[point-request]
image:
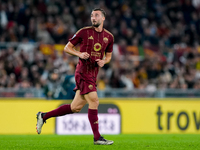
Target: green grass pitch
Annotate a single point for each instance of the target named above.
(85, 142)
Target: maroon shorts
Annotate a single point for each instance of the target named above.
(84, 83)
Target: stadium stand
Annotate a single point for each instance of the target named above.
(156, 42)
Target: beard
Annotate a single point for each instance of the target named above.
(96, 25)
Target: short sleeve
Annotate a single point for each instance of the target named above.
(109, 48)
(77, 38)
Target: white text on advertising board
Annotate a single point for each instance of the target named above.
(79, 124)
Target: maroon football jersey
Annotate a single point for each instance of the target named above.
(95, 44)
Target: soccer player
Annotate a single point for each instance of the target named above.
(96, 45)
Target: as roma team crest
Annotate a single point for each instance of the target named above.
(90, 86)
(105, 39)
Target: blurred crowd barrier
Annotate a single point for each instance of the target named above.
(108, 93)
(28, 93)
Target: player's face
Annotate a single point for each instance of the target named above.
(97, 18)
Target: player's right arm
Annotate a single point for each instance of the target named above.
(69, 48)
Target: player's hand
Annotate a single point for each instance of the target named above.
(84, 55)
(100, 62)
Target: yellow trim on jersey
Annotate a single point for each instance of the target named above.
(83, 28)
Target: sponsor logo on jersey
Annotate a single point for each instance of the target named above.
(96, 54)
(97, 47)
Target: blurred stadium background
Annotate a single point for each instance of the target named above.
(156, 55)
(156, 51)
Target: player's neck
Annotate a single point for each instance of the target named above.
(99, 28)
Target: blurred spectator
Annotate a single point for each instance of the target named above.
(58, 87)
(3, 16)
(52, 88)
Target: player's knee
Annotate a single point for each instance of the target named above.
(95, 102)
(76, 109)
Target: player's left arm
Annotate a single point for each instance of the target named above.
(106, 59)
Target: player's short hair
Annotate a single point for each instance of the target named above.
(102, 11)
